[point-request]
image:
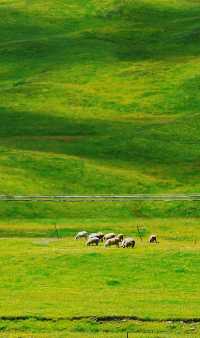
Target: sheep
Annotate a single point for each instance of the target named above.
(94, 234)
(121, 237)
(92, 241)
(153, 239)
(109, 236)
(112, 241)
(100, 235)
(128, 243)
(81, 234)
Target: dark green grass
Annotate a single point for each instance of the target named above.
(90, 328)
(121, 76)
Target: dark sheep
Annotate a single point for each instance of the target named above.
(153, 239)
(92, 241)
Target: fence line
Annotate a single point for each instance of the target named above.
(102, 198)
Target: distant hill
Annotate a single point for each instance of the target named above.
(99, 96)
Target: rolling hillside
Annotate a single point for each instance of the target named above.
(99, 97)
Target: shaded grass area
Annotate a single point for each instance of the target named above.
(80, 213)
(169, 229)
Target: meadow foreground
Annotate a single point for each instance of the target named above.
(150, 289)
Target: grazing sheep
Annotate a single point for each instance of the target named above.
(121, 237)
(109, 236)
(94, 234)
(128, 243)
(153, 239)
(92, 241)
(112, 241)
(81, 234)
(100, 235)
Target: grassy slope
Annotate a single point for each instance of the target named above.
(121, 77)
(99, 96)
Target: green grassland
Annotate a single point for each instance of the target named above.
(65, 278)
(99, 97)
(59, 288)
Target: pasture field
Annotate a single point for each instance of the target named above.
(99, 97)
(52, 287)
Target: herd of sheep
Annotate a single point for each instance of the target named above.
(110, 239)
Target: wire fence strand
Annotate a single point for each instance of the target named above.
(101, 198)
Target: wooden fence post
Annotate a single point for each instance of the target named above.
(57, 234)
(138, 229)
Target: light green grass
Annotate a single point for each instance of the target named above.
(68, 279)
(49, 278)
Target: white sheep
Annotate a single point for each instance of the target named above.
(109, 236)
(81, 234)
(92, 241)
(112, 241)
(100, 235)
(94, 234)
(128, 243)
